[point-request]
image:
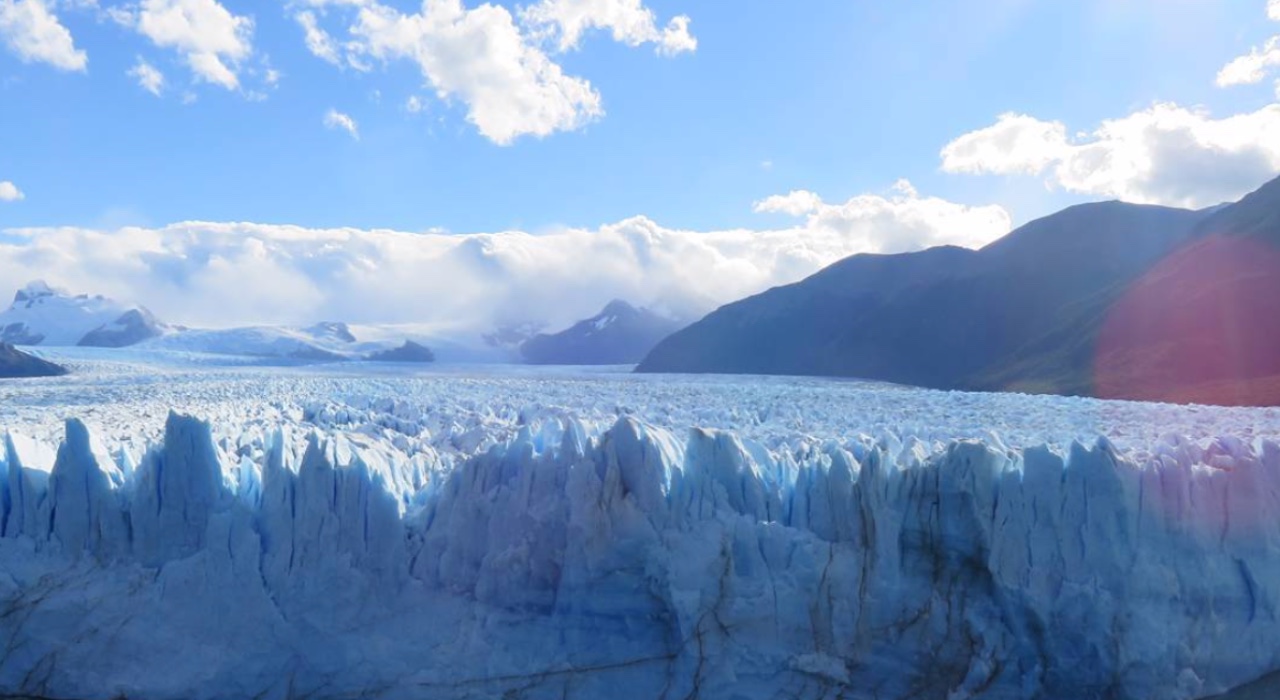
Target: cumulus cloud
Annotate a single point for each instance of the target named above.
(32, 32)
(1016, 144)
(212, 41)
(235, 273)
(565, 21)
(333, 119)
(900, 222)
(9, 192)
(487, 59)
(794, 203)
(480, 57)
(1253, 67)
(1165, 154)
(148, 76)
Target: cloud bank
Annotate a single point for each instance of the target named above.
(222, 274)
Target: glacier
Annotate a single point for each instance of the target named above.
(321, 540)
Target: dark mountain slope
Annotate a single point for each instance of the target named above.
(790, 330)
(409, 352)
(14, 364)
(936, 318)
(1200, 325)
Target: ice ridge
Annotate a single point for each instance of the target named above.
(634, 563)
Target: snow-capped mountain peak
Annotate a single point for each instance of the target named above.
(619, 334)
(36, 289)
(45, 315)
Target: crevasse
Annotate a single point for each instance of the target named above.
(632, 564)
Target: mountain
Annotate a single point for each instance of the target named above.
(508, 337)
(409, 352)
(43, 315)
(947, 317)
(331, 331)
(1202, 325)
(14, 364)
(620, 334)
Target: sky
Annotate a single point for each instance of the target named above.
(245, 161)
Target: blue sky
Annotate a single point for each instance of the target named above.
(838, 98)
(763, 117)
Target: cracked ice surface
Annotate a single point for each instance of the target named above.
(348, 531)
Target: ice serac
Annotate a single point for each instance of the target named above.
(176, 491)
(85, 508)
(632, 563)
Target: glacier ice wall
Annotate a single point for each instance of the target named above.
(634, 564)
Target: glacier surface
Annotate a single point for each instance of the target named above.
(358, 532)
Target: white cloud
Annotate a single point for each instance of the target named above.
(629, 21)
(1165, 154)
(148, 76)
(32, 32)
(794, 203)
(1252, 67)
(9, 192)
(234, 273)
(414, 105)
(478, 56)
(1015, 144)
(900, 222)
(676, 37)
(213, 41)
(333, 119)
(319, 43)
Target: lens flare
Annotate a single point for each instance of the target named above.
(1203, 326)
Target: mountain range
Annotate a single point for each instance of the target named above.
(42, 315)
(1108, 299)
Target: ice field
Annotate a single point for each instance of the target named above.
(178, 525)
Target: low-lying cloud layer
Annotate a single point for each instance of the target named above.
(222, 274)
